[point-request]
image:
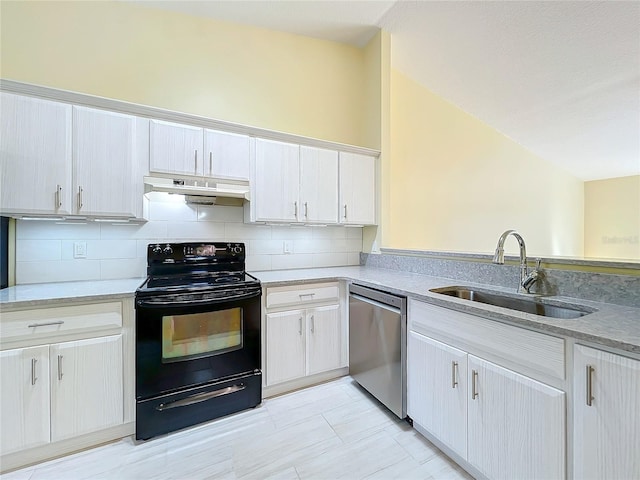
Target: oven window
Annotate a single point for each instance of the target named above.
(198, 335)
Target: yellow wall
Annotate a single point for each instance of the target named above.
(456, 184)
(201, 66)
(612, 218)
(378, 66)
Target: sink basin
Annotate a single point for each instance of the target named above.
(527, 305)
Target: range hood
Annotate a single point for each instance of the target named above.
(202, 191)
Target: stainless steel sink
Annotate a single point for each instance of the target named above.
(527, 305)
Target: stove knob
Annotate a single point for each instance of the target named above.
(157, 249)
(167, 250)
(237, 249)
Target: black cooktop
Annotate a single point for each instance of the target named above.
(196, 282)
(190, 267)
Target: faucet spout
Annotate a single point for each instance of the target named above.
(498, 258)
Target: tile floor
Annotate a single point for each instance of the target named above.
(330, 431)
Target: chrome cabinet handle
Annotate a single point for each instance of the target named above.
(454, 372)
(300, 329)
(306, 210)
(210, 163)
(60, 367)
(345, 211)
(200, 397)
(295, 209)
(58, 196)
(80, 204)
(195, 168)
(302, 295)
(474, 380)
(33, 371)
(313, 324)
(34, 325)
(590, 397)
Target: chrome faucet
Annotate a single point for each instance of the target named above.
(526, 279)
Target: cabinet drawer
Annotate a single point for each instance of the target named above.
(536, 351)
(288, 296)
(47, 321)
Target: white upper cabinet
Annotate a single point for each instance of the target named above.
(606, 415)
(294, 184)
(187, 150)
(318, 185)
(276, 185)
(227, 155)
(35, 158)
(357, 189)
(176, 148)
(108, 161)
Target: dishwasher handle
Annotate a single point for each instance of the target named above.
(376, 303)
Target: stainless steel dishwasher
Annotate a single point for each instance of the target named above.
(378, 345)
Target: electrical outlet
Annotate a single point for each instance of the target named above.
(287, 247)
(79, 249)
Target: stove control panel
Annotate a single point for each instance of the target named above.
(195, 253)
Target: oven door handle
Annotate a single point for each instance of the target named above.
(207, 301)
(200, 397)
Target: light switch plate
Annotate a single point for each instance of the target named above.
(79, 249)
(287, 247)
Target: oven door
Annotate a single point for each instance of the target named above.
(186, 340)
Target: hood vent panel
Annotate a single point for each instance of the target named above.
(204, 192)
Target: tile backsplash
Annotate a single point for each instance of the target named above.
(45, 250)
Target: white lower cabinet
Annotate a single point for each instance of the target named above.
(324, 339)
(53, 392)
(86, 386)
(516, 425)
(304, 334)
(24, 398)
(503, 424)
(437, 390)
(606, 415)
(66, 378)
(285, 345)
(303, 342)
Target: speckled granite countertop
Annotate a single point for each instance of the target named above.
(32, 295)
(610, 325)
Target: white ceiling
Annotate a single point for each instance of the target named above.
(561, 78)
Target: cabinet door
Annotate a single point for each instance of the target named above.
(176, 148)
(516, 424)
(285, 346)
(35, 158)
(276, 184)
(437, 390)
(86, 386)
(318, 185)
(24, 398)
(357, 189)
(324, 340)
(227, 155)
(607, 432)
(106, 160)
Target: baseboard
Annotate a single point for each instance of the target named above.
(470, 469)
(23, 458)
(297, 384)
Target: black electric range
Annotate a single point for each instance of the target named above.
(198, 354)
